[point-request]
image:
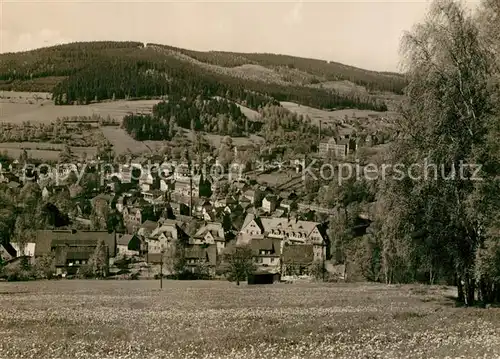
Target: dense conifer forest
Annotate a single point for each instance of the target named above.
(97, 71)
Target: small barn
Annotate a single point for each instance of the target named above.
(264, 278)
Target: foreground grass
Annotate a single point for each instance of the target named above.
(114, 319)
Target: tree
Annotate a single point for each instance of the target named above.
(98, 262)
(240, 264)
(67, 155)
(23, 158)
(448, 121)
(45, 266)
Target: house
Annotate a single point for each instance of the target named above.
(155, 197)
(147, 228)
(178, 208)
(297, 259)
(28, 250)
(7, 252)
(254, 196)
(240, 186)
(225, 202)
(132, 217)
(289, 230)
(269, 203)
(130, 245)
(266, 253)
(210, 233)
(201, 258)
(165, 236)
(337, 147)
(73, 248)
(202, 206)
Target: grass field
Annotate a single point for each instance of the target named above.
(47, 112)
(370, 119)
(134, 319)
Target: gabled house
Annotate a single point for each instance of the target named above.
(201, 256)
(210, 233)
(130, 245)
(224, 202)
(266, 253)
(27, 250)
(147, 228)
(7, 252)
(254, 196)
(289, 230)
(269, 203)
(165, 236)
(202, 206)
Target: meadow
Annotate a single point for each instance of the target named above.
(217, 319)
(370, 120)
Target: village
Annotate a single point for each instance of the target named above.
(205, 208)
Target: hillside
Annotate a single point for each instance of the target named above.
(95, 71)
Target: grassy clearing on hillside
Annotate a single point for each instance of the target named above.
(122, 142)
(134, 319)
(37, 151)
(45, 111)
(369, 119)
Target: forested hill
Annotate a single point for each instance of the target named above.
(96, 71)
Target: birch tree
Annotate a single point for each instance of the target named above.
(446, 127)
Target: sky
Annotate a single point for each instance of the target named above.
(365, 34)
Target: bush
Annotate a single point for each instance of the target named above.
(45, 267)
(86, 272)
(318, 271)
(18, 274)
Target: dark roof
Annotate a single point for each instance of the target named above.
(9, 249)
(102, 196)
(266, 244)
(149, 225)
(46, 240)
(124, 240)
(298, 254)
(196, 251)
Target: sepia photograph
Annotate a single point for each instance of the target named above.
(289, 179)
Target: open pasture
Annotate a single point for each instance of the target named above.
(37, 150)
(368, 118)
(122, 142)
(212, 319)
(48, 112)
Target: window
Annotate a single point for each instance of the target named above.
(272, 260)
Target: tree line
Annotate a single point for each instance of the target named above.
(439, 223)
